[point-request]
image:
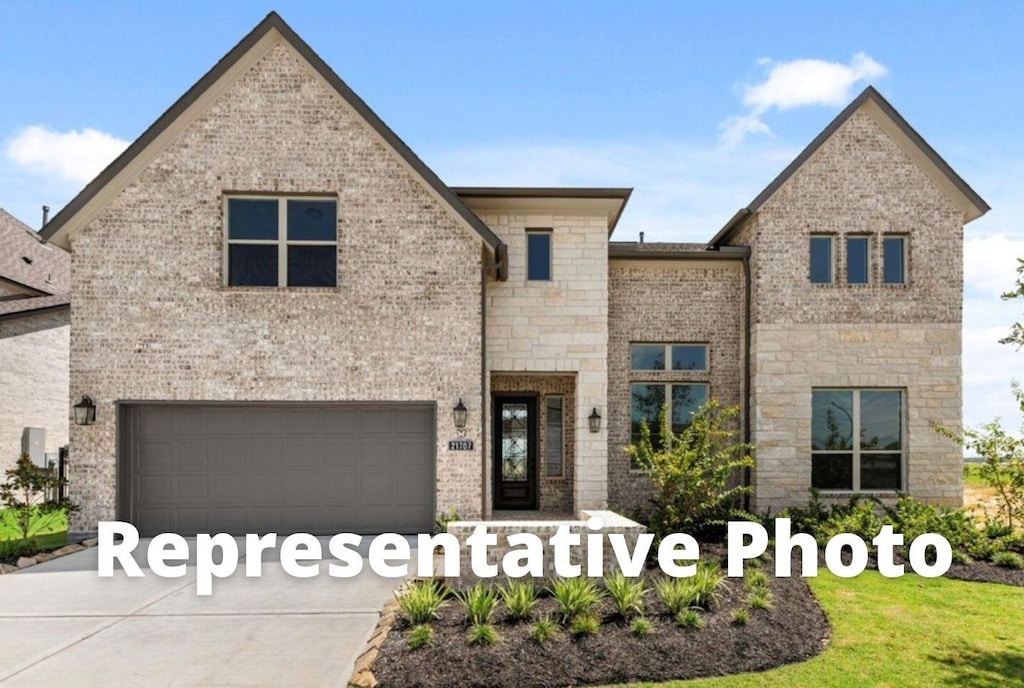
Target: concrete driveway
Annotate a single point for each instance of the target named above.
(63, 625)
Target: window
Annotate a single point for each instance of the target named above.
(281, 242)
(821, 260)
(554, 438)
(679, 356)
(538, 255)
(647, 400)
(894, 258)
(857, 260)
(857, 439)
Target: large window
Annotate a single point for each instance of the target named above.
(894, 260)
(281, 242)
(648, 398)
(538, 255)
(857, 439)
(821, 260)
(668, 357)
(857, 264)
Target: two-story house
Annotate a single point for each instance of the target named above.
(288, 322)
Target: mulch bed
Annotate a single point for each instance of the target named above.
(985, 572)
(795, 630)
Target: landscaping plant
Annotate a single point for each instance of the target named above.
(627, 594)
(676, 593)
(24, 495)
(760, 598)
(483, 634)
(694, 473)
(1009, 560)
(641, 627)
(519, 597)
(706, 583)
(689, 618)
(420, 636)
(585, 624)
(741, 616)
(544, 630)
(421, 600)
(575, 596)
(479, 601)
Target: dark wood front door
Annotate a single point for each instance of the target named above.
(515, 452)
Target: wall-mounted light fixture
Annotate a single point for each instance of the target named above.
(85, 411)
(595, 420)
(461, 413)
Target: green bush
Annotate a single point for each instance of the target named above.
(689, 618)
(641, 627)
(627, 594)
(479, 602)
(520, 597)
(575, 596)
(24, 496)
(420, 601)
(544, 630)
(585, 624)
(694, 473)
(1009, 560)
(760, 598)
(755, 578)
(483, 634)
(444, 518)
(706, 583)
(420, 636)
(676, 594)
(741, 616)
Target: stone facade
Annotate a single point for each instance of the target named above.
(34, 380)
(153, 321)
(668, 302)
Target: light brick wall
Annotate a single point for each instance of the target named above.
(809, 335)
(152, 321)
(558, 326)
(685, 301)
(33, 381)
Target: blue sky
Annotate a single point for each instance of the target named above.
(696, 105)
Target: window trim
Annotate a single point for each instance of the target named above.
(668, 357)
(905, 241)
(282, 240)
(866, 238)
(668, 385)
(832, 258)
(550, 234)
(855, 451)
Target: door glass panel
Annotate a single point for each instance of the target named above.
(514, 442)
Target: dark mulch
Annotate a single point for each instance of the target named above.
(795, 630)
(985, 572)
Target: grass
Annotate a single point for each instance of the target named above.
(907, 631)
(55, 534)
(972, 476)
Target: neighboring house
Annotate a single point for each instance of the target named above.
(35, 278)
(284, 317)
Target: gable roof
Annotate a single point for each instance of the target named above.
(28, 261)
(272, 22)
(974, 206)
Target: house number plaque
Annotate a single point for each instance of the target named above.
(460, 445)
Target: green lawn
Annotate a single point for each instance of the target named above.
(55, 534)
(972, 478)
(908, 631)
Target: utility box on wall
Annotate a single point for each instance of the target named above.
(33, 443)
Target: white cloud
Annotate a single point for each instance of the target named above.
(990, 263)
(73, 156)
(798, 83)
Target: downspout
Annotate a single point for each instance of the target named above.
(499, 268)
(746, 372)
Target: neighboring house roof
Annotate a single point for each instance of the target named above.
(127, 165)
(673, 251)
(37, 272)
(616, 197)
(33, 305)
(870, 99)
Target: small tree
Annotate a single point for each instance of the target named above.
(1016, 335)
(692, 471)
(24, 495)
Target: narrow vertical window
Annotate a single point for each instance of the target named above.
(554, 439)
(821, 260)
(538, 255)
(856, 260)
(894, 258)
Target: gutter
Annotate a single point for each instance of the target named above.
(499, 269)
(746, 371)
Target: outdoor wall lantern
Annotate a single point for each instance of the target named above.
(595, 421)
(85, 411)
(461, 412)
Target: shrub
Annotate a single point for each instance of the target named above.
(420, 636)
(755, 579)
(483, 634)
(420, 601)
(626, 593)
(575, 596)
(692, 472)
(544, 630)
(676, 593)
(740, 616)
(689, 618)
(25, 495)
(479, 601)
(706, 583)
(641, 627)
(585, 624)
(760, 598)
(444, 518)
(520, 597)
(1009, 560)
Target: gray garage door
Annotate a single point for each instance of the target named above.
(278, 468)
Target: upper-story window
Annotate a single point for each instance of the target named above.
(678, 357)
(857, 260)
(538, 254)
(281, 241)
(894, 260)
(821, 260)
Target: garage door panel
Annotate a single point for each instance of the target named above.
(290, 468)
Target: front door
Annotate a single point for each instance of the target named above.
(515, 453)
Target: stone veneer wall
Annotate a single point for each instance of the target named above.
(668, 302)
(560, 326)
(556, 492)
(33, 381)
(152, 320)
